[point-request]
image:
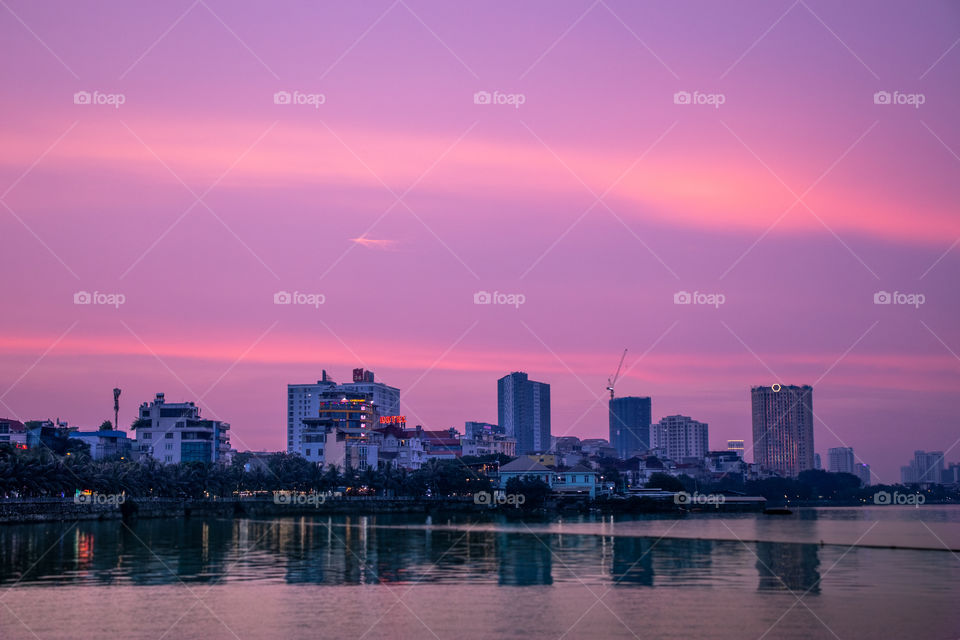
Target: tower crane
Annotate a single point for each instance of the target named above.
(613, 381)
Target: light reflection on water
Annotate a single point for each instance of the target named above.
(415, 577)
(742, 551)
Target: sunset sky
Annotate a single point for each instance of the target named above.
(399, 197)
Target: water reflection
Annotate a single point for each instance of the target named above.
(385, 549)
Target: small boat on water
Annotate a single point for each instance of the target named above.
(777, 511)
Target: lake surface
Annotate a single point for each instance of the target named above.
(821, 573)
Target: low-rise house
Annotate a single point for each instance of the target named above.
(401, 448)
(14, 432)
(105, 443)
(524, 467)
(578, 480)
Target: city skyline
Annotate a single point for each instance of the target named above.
(405, 195)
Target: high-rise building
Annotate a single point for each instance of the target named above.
(174, 432)
(681, 437)
(783, 428)
(862, 471)
(474, 429)
(926, 468)
(303, 402)
(629, 425)
(841, 460)
(523, 410)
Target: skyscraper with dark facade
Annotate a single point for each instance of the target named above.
(523, 410)
(630, 424)
(783, 428)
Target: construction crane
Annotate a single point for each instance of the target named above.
(612, 381)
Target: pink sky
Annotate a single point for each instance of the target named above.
(597, 199)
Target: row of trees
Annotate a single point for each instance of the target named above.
(43, 473)
(811, 485)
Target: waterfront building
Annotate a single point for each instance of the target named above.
(524, 467)
(629, 425)
(341, 417)
(13, 432)
(523, 410)
(174, 432)
(105, 443)
(681, 437)
(783, 428)
(841, 460)
(862, 471)
(736, 446)
(400, 447)
(303, 402)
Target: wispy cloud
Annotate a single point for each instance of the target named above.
(382, 244)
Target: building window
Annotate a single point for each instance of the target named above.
(168, 436)
(307, 452)
(169, 446)
(168, 458)
(147, 435)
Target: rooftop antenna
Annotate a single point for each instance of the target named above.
(116, 408)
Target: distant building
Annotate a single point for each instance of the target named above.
(473, 429)
(523, 410)
(629, 424)
(783, 428)
(173, 432)
(13, 432)
(341, 417)
(105, 443)
(442, 444)
(841, 460)
(816, 462)
(736, 446)
(681, 437)
(303, 403)
(862, 471)
(927, 467)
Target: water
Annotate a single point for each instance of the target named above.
(822, 573)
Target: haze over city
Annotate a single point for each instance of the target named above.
(402, 194)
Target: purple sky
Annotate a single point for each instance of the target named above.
(597, 199)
